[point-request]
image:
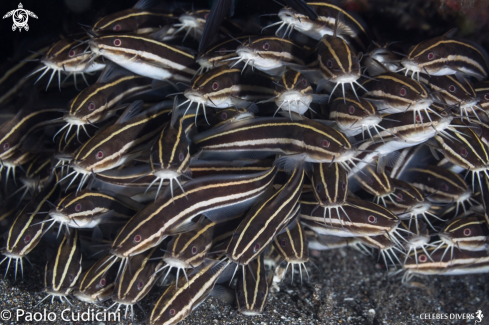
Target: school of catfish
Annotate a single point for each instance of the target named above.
(146, 164)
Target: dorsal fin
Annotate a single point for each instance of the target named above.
(145, 4)
(130, 112)
(174, 112)
(451, 33)
(376, 68)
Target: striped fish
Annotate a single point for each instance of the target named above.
(252, 288)
(445, 55)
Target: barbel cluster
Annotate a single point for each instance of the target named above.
(215, 173)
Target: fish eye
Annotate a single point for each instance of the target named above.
(464, 152)
(467, 232)
(27, 239)
(91, 106)
(239, 294)
(372, 219)
(399, 197)
(319, 187)
(444, 187)
(224, 115)
(117, 42)
(452, 88)
(370, 181)
(486, 96)
(71, 277)
(256, 248)
(215, 85)
(304, 82)
(206, 16)
(171, 312)
(194, 250)
(283, 243)
(180, 156)
(262, 294)
(431, 56)
(266, 46)
(78, 207)
(140, 284)
(71, 53)
(329, 63)
(326, 143)
(419, 118)
(222, 51)
(351, 109)
(117, 27)
(6, 146)
(343, 186)
(102, 282)
(402, 91)
(99, 155)
(137, 238)
(422, 258)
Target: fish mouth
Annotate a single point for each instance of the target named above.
(73, 120)
(346, 78)
(84, 297)
(59, 216)
(245, 52)
(195, 96)
(446, 238)
(167, 173)
(371, 120)
(189, 21)
(410, 65)
(250, 312)
(176, 262)
(94, 47)
(10, 254)
(422, 104)
(287, 15)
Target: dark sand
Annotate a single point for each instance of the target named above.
(350, 289)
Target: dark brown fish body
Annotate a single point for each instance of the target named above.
(160, 219)
(97, 283)
(252, 288)
(63, 270)
(468, 233)
(330, 184)
(445, 55)
(265, 220)
(350, 28)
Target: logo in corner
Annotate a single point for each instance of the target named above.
(20, 17)
(479, 315)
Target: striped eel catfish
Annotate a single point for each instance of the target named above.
(142, 18)
(469, 152)
(119, 142)
(170, 153)
(28, 227)
(354, 116)
(216, 55)
(462, 262)
(171, 215)
(89, 208)
(394, 93)
(293, 93)
(293, 247)
(252, 288)
(417, 236)
(136, 279)
(224, 87)
(351, 28)
(189, 249)
(330, 187)
(14, 161)
(145, 56)
(318, 142)
(408, 201)
(338, 63)
(66, 56)
(97, 283)
(38, 175)
(63, 270)
(269, 54)
(380, 52)
(456, 92)
(177, 302)
(377, 183)
(98, 102)
(27, 120)
(445, 55)
(468, 233)
(442, 185)
(365, 219)
(266, 220)
(385, 244)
